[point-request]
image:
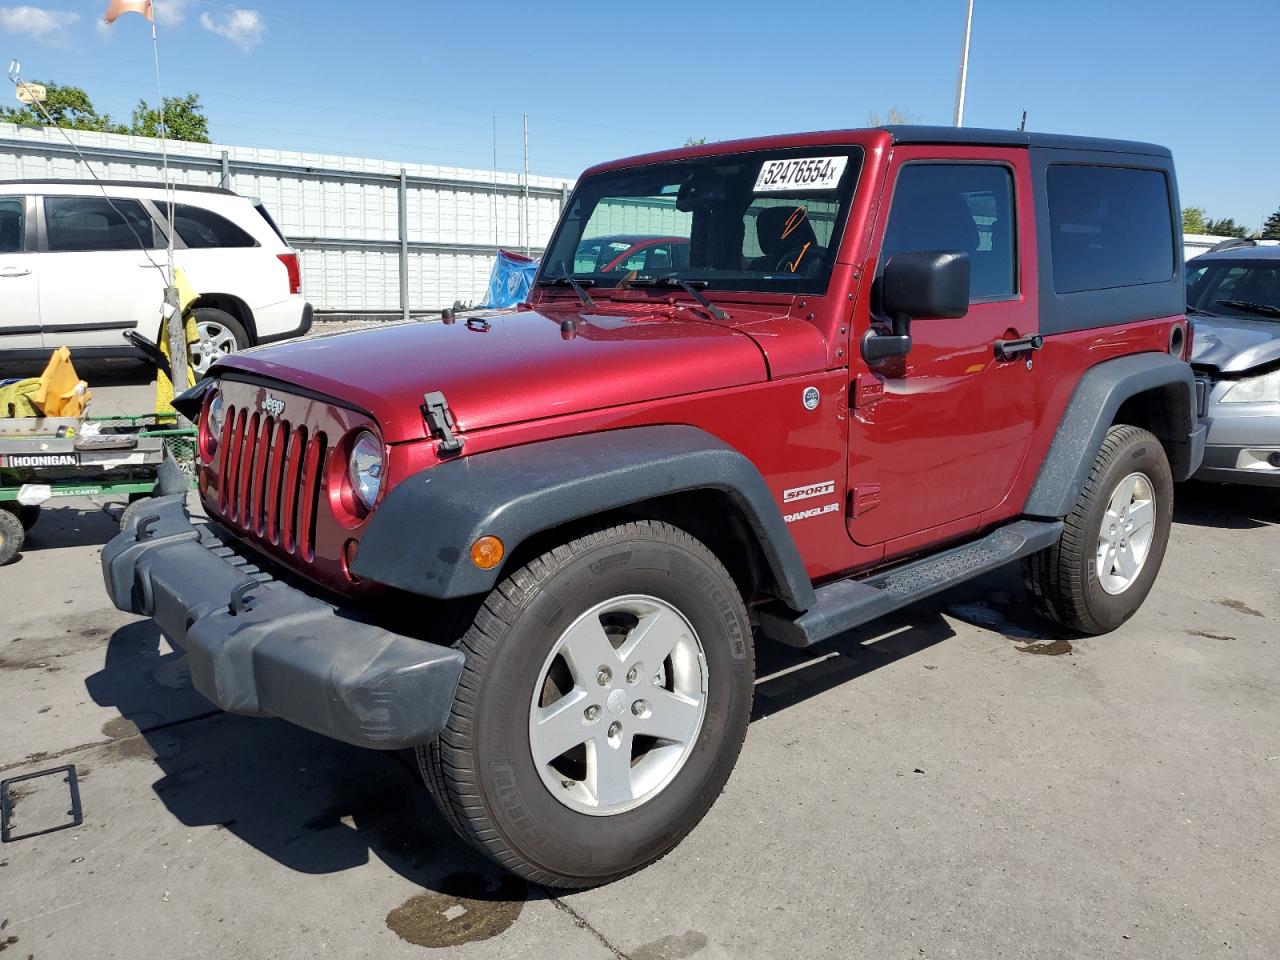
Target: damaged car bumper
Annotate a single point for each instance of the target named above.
(260, 647)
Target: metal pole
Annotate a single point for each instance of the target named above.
(525, 212)
(404, 243)
(226, 171)
(495, 182)
(964, 67)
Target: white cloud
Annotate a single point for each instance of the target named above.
(170, 13)
(47, 26)
(244, 28)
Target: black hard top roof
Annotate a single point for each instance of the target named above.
(1243, 253)
(145, 184)
(979, 136)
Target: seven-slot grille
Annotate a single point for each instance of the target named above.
(269, 480)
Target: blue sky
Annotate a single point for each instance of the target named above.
(421, 81)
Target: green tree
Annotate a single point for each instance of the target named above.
(892, 116)
(695, 141)
(1226, 227)
(68, 107)
(1271, 227)
(1193, 220)
(184, 116)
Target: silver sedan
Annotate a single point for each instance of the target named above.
(1233, 296)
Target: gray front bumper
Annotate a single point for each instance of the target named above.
(259, 647)
(1242, 437)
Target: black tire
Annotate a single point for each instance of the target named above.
(1064, 579)
(212, 315)
(12, 536)
(134, 508)
(480, 769)
(27, 514)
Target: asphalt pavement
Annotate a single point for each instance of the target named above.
(955, 781)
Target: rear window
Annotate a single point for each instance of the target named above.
(200, 228)
(96, 223)
(1111, 227)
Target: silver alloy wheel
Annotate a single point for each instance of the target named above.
(618, 705)
(1128, 527)
(215, 342)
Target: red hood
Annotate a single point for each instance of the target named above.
(522, 367)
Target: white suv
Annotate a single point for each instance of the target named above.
(81, 262)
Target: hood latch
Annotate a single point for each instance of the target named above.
(435, 410)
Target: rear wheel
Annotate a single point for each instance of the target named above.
(27, 514)
(11, 536)
(604, 700)
(134, 508)
(221, 335)
(1114, 539)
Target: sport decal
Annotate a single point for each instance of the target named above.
(809, 492)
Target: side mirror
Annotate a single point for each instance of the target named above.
(925, 285)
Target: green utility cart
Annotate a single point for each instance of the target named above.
(46, 457)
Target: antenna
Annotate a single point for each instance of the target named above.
(963, 79)
(175, 329)
(1023, 125)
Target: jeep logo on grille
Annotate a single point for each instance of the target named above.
(272, 406)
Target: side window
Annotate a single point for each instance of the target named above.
(96, 223)
(200, 228)
(958, 206)
(12, 224)
(1110, 227)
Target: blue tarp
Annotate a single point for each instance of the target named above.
(510, 281)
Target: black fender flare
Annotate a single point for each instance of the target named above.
(419, 538)
(1091, 411)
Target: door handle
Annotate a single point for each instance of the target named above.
(1012, 349)
(14, 272)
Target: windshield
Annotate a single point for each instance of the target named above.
(768, 220)
(1243, 288)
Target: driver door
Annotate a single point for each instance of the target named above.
(938, 438)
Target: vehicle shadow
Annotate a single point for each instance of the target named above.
(996, 602)
(74, 523)
(1226, 506)
(318, 806)
(309, 803)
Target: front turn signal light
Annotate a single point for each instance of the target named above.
(487, 552)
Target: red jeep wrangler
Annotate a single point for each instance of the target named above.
(537, 547)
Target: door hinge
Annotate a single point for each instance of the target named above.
(863, 497)
(867, 389)
(435, 410)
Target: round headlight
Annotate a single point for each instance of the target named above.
(211, 428)
(365, 468)
(217, 414)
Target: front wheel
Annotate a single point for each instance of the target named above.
(1113, 541)
(604, 700)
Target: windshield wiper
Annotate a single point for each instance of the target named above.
(579, 287)
(1201, 313)
(691, 287)
(1266, 309)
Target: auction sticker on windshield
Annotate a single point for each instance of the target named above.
(800, 173)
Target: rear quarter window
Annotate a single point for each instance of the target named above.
(203, 229)
(1110, 227)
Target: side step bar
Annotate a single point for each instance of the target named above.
(845, 604)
